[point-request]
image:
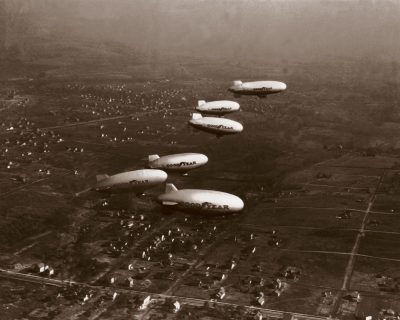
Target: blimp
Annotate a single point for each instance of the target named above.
(257, 88)
(181, 162)
(132, 181)
(220, 107)
(215, 125)
(203, 201)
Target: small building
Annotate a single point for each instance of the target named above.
(145, 303)
(261, 299)
(131, 282)
(177, 306)
(258, 316)
(114, 296)
(221, 293)
(51, 271)
(41, 267)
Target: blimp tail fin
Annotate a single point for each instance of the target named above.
(196, 116)
(169, 187)
(237, 83)
(153, 157)
(200, 103)
(101, 177)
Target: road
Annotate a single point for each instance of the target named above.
(354, 251)
(24, 186)
(158, 297)
(269, 230)
(83, 123)
(361, 233)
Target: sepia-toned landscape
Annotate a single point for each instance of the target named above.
(91, 89)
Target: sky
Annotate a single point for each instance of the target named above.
(234, 29)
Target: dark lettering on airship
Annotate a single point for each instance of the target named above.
(221, 108)
(204, 206)
(220, 126)
(262, 89)
(181, 164)
(138, 181)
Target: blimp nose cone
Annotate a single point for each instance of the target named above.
(163, 176)
(239, 127)
(203, 159)
(158, 176)
(282, 86)
(237, 204)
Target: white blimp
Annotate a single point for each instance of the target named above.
(220, 107)
(132, 181)
(180, 162)
(206, 201)
(257, 88)
(218, 126)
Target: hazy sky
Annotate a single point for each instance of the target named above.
(236, 29)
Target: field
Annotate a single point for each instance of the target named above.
(317, 168)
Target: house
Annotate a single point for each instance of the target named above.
(41, 267)
(145, 303)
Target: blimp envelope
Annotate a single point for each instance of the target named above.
(219, 126)
(180, 162)
(131, 181)
(209, 201)
(220, 107)
(260, 88)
